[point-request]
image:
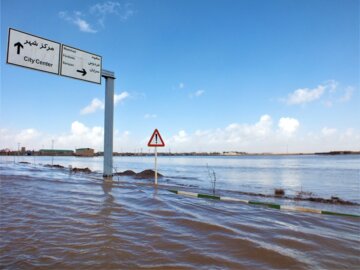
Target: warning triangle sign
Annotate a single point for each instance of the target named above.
(156, 139)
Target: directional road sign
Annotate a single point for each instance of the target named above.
(34, 52)
(80, 65)
(156, 140)
(38, 53)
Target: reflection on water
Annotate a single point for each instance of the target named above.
(324, 176)
(108, 199)
(291, 180)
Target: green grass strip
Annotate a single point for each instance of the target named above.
(206, 196)
(271, 205)
(338, 214)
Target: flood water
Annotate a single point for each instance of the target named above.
(53, 219)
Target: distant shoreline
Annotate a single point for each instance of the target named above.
(210, 154)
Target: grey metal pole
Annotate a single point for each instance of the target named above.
(156, 176)
(109, 122)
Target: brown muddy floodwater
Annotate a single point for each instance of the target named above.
(51, 219)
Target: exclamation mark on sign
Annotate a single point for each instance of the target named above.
(156, 138)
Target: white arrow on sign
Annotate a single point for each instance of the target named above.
(80, 65)
(34, 52)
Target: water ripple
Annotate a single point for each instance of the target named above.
(62, 221)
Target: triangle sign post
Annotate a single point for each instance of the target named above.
(156, 141)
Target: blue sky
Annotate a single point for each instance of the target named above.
(254, 76)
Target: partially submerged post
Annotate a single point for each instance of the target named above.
(108, 122)
(155, 141)
(156, 176)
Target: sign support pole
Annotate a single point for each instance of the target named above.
(155, 141)
(108, 122)
(155, 165)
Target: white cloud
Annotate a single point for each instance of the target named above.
(27, 135)
(288, 125)
(234, 136)
(78, 128)
(108, 7)
(181, 85)
(98, 14)
(181, 137)
(263, 135)
(24, 137)
(241, 132)
(120, 97)
(101, 10)
(330, 92)
(197, 93)
(76, 19)
(305, 95)
(83, 25)
(263, 127)
(338, 95)
(79, 135)
(95, 105)
(150, 116)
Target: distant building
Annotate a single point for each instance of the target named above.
(55, 152)
(84, 152)
(5, 152)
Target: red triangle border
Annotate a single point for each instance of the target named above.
(161, 144)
